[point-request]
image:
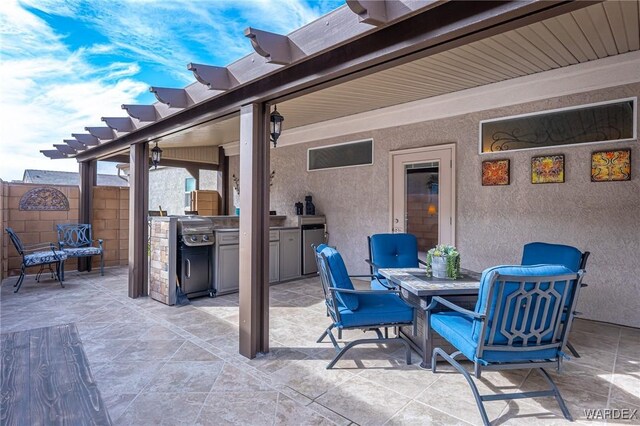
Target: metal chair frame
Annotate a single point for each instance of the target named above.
(25, 250)
(331, 302)
(523, 302)
(79, 235)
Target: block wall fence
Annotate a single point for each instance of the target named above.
(110, 223)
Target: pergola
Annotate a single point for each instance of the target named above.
(367, 55)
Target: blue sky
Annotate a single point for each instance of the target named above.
(65, 64)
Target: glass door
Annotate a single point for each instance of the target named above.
(422, 194)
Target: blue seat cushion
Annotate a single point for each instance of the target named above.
(43, 257)
(340, 278)
(376, 309)
(457, 329)
(82, 251)
(558, 254)
(380, 283)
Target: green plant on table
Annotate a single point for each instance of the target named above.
(451, 256)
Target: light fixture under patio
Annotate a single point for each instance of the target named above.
(156, 156)
(276, 120)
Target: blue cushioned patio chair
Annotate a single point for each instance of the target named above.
(545, 253)
(37, 255)
(76, 240)
(391, 251)
(519, 322)
(358, 309)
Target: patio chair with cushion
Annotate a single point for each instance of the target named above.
(37, 255)
(518, 323)
(557, 254)
(367, 310)
(391, 251)
(76, 240)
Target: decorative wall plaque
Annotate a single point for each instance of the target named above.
(495, 172)
(547, 169)
(44, 199)
(611, 165)
(602, 122)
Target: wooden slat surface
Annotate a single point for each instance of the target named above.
(46, 380)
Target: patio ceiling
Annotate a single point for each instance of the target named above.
(595, 32)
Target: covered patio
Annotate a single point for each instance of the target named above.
(405, 77)
(157, 364)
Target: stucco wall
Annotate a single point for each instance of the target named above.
(493, 223)
(166, 187)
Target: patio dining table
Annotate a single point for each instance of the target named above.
(418, 287)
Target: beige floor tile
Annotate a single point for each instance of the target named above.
(185, 376)
(163, 409)
(416, 413)
(291, 413)
(243, 408)
(363, 402)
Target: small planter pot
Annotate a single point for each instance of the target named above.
(439, 267)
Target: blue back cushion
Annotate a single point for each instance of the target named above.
(496, 318)
(394, 250)
(340, 278)
(557, 254)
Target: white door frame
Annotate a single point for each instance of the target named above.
(447, 195)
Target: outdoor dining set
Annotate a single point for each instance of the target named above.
(74, 241)
(508, 317)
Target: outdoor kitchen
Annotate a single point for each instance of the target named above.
(199, 255)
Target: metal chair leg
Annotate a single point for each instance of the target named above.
(102, 264)
(18, 283)
(556, 393)
(573, 350)
(348, 346)
(59, 267)
(324, 334)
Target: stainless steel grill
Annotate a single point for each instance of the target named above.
(195, 231)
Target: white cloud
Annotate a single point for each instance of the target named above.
(50, 90)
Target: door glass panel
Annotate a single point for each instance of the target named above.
(422, 203)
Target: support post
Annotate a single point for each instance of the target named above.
(194, 171)
(223, 179)
(254, 230)
(88, 176)
(138, 226)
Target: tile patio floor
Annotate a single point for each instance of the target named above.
(156, 364)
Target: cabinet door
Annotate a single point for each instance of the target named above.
(289, 254)
(228, 269)
(274, 261)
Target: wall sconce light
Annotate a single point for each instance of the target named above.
(276, 125)
(156, 156)
(432, 210)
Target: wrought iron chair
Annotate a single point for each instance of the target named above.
(358, 309)
(76, 240)
(519, 323)
(545, 253)
(36, 255)
(391, 251)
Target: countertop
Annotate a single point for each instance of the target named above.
(272, 228)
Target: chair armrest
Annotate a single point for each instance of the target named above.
(362, 276)
(372, 263)
(439, 300)
(38, 247)
(344, 290)
(422, 262)
(61, 245)
(100, 241)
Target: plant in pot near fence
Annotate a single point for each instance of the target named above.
(444, 261)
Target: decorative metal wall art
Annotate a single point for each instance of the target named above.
(611, 165)
(547, 169)
(44, 199)
(605, 121)
(495, 172)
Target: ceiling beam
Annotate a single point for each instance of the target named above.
(102, 133)
(382, 12)
(275, 48)
(54, 154)
(215, 78)
(65, 149)
(119, 124)
(123, 158)
(86, 139)
(144, 113)
(75, 144)
(172, 97)
(450, 25)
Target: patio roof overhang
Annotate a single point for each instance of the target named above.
(348, 49)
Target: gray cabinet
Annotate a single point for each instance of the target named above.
(274, 261)
(227, 263)
(289, 254)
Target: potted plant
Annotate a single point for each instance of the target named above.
(444, 261)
